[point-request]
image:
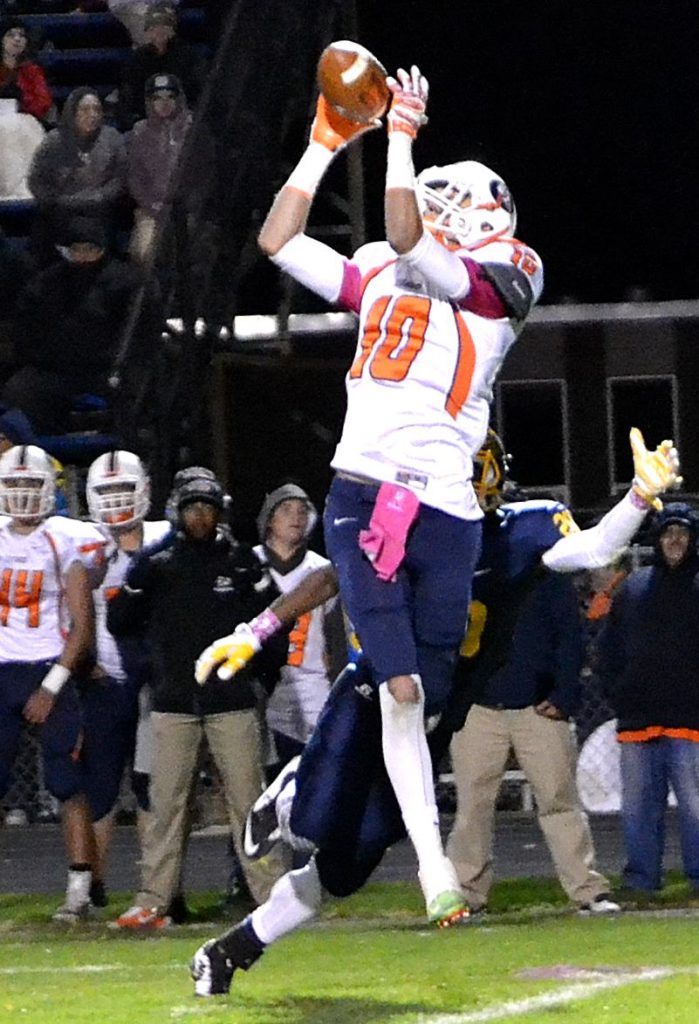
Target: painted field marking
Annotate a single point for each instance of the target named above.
(559, 997)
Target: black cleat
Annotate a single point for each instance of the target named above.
(211, 970)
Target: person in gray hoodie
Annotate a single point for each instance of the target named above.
(154, 149)
(78, 170)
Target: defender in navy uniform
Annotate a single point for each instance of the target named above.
(337, 799)
(518, 685)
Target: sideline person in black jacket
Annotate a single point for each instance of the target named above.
(648, 659)
(184, 594)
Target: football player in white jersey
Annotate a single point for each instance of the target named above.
(116, 704)
(440, 302)
(46, 631)
(317, 643)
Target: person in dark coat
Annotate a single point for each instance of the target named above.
(70, 319)
(163, 54)
(648, 659)
(78, 170)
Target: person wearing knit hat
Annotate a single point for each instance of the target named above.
(648, 659)
(317, 643)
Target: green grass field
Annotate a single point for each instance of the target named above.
(369, 960)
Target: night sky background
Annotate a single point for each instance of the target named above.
(589, 112)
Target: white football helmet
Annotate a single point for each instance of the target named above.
(465, 205)
(117, 490)
(27, 483)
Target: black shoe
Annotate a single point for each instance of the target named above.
(178, 911)
(211, 970)
(98, 893)
(261, 826)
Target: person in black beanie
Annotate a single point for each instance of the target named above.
(185, 592)
(648, 659)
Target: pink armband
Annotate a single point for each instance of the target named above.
(395, 510)
(265, 625)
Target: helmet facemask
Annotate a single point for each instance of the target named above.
(118, 491)
(27, 484)
(490, 472)
(465, 205)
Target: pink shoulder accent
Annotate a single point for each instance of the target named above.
(351, 291)
(482, 298)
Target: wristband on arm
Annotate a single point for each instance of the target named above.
(55, 679)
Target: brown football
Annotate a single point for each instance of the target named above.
(353, 81)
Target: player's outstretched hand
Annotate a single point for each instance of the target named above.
(410, 91)
(332, 130)
(655, 471)
(230, 653)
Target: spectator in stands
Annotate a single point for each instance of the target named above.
(648, 658)
(15, 267)
(154, 150)
(162, 54)
(79, 169)
(15, 429)
(25, 100)
(69, 323)
(132, 14)
(317, 644)
(184, 594)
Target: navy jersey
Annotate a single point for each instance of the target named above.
(515, 537)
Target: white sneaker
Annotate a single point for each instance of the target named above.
(602, 904)
(76, 906)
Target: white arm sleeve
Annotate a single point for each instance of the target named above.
(601, 544)
(442, 268)
(313, 264)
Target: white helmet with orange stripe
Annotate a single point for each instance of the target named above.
(117, 490)
(27, 483)
(465, 205)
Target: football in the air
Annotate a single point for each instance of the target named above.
(353, 81)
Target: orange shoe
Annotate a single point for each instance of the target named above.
(143, 917)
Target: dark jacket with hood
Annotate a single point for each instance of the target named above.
(154, 149)
(648, 649)
(76, 174)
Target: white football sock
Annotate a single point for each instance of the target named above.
(409, 768)
(295, 898)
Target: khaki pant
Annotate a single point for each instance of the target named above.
(235, 744)
(546, 753)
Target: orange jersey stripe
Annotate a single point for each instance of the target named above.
(654, 732)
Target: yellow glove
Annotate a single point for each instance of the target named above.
(230, 653)
(654, 472)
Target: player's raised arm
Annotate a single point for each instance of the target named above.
(315, 265)
(654, 473)
(404, 227)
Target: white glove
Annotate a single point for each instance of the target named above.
(410, 92)
(230, 653)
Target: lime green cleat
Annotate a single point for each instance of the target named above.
(447, 909)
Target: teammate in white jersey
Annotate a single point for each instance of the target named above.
(317, 644)
(46, 631)
(440, 302)
(116, 704)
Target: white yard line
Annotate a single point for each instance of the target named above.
(80, 969)
(556, 997)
